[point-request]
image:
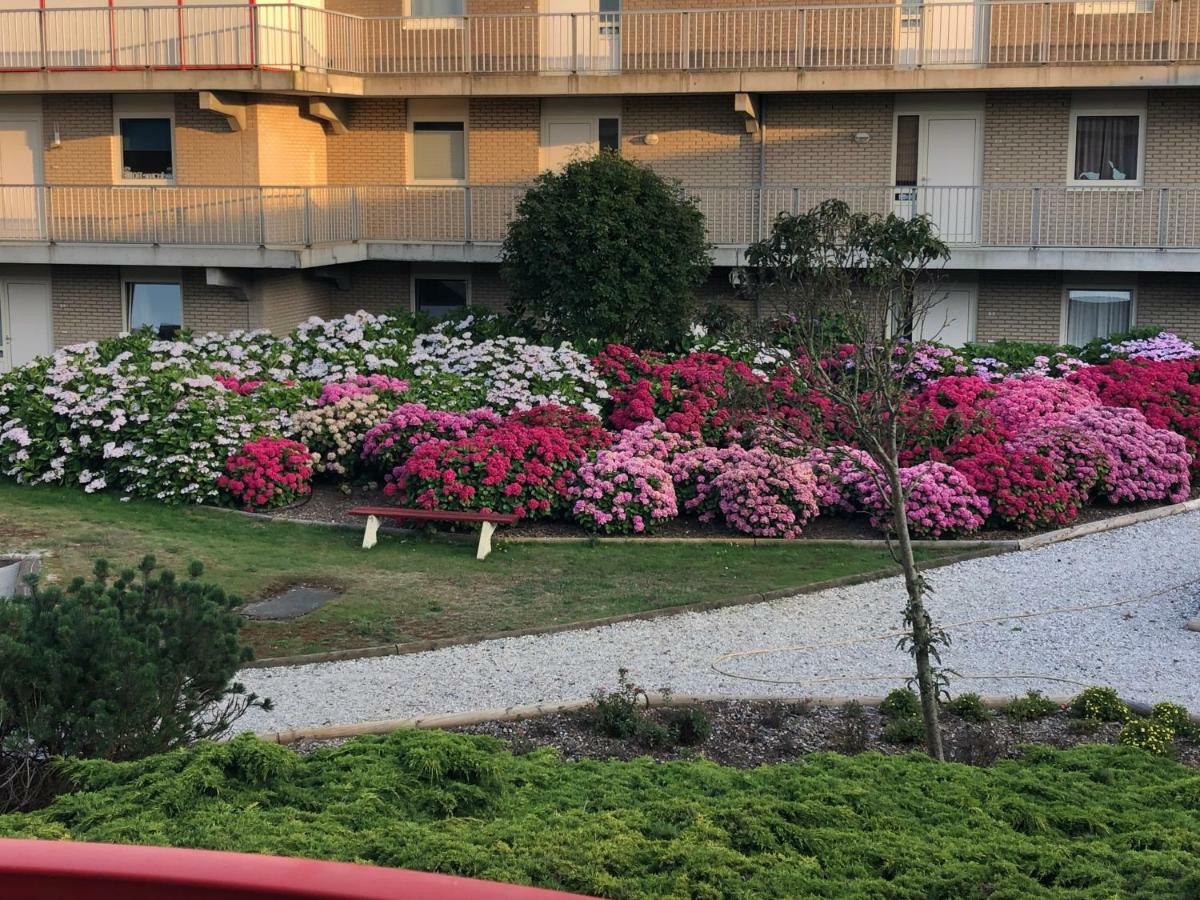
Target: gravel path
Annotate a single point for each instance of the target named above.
(1141, 649)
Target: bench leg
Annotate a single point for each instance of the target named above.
(486, 530)
(370, 535)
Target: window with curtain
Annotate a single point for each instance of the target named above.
(154, 305)
(439, 296)
(435, 9)
(1106, 148)
(1097, 313)
(439, 151)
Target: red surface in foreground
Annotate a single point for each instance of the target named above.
(67, 870)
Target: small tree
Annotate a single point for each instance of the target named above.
(114, 668)
(607, 250)
(854, 285)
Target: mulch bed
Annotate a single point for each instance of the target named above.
(748, 734)
(331, 504)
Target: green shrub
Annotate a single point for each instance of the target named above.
(969, 708)
(1017, 354)
(618, 714)
(904, 731)
(1100, 703)
(1149, 735)
(1094, 821)
(116, 668)
(1030, 707)
(1094, 352)
(607, 250)
(689, 726)
(901, 703)
(1174, 717)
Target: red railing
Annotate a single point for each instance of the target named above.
(53, 870)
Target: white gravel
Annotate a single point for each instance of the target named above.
(1142, 649)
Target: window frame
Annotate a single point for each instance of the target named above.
(143, 108)
(422, 274)
(431, 23)
(1068, 287)
(1112, 7)
(438, 116)
(131, 278)
(1114, 108)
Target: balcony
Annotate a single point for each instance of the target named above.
(993, 227)
(290, 47)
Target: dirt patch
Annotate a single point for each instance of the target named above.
(747, 734)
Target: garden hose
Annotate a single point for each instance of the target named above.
(716, 664)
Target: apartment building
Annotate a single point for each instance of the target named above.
(241, 165)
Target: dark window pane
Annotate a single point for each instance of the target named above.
(159, 306)
(1106, 148)
(907, 130)
(436, 8)
(610, 134)
(610, 6)
(146, 148)
(437, 126)
(438, 296)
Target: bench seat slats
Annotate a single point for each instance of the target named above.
(433, 515)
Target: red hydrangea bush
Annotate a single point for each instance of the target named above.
(766, 495)
(585, 431)
(945, 411)
(1166, 393)
(508, 468)
(1143, 462)
(267, 472)
(1023, 489)
(621, 493)
(941, 501)
(1078, 456)
(388, 444)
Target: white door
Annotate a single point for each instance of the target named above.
(25, 326)
(949, 317)
(580, 36)
(949, 175)
(564, 141)
(20, 172)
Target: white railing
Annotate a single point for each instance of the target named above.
(297, 216)
(890, 35)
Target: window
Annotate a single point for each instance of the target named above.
(157, 305)
(1106, 148)
(1097, 313)
(1112, 7)
(438, 296)
(907, 131)
(610, 135)
(439, 151)
(146, 149)
(435, 9)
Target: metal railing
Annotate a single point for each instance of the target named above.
(907, 34)
(299, 216)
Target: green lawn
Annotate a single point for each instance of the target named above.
(407, 589)
(1094, 821)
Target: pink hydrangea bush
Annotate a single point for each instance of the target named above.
(622, 493)
(654, 440)
(388, 444)
(1020, 403)
(940, 501)
(383, 386)
(1077, 456)
(766, 495)
(841, 473)
(1143, 462)
(230, 383)
(694, 473)
(267, 472)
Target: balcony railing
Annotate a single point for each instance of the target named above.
(992, 33)
(295, 217)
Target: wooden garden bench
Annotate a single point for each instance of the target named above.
(487, 522)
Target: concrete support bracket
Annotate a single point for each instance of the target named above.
(331, 110)
(744, 106)
(231, 106)
(238, 280)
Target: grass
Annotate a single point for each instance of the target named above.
(407, 589)
(1093, 821)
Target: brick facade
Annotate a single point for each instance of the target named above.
(285, 299)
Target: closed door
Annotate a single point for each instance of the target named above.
(25, 326)
(20, 171)
(949, 317)
(937, 171)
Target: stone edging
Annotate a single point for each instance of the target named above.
(702, 606)
(1101, 525)
(515, 713)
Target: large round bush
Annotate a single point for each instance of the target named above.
(766, 495)
(940, 501)
(1024, 489)
(607, 250)
(620, 492)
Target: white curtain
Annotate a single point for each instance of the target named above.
(1093, 314)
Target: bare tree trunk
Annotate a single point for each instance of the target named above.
(917, 618)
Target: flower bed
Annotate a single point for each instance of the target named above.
(466, 417)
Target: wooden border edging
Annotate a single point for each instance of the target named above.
(532, 711)
(646, 615)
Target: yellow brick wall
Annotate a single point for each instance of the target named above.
(1024, 306)
(291, 146)
(810, 138)
(1171, 300)
(207, 151)
(211, 307)
(85, 127)
(1025, 137)
(1173, 137)
(700, 139)
(287, 298)
(504, 140)
(374, 150)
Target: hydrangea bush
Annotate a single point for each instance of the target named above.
(766, 495)
(940, 501)
(622, 493)
(267, 472)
